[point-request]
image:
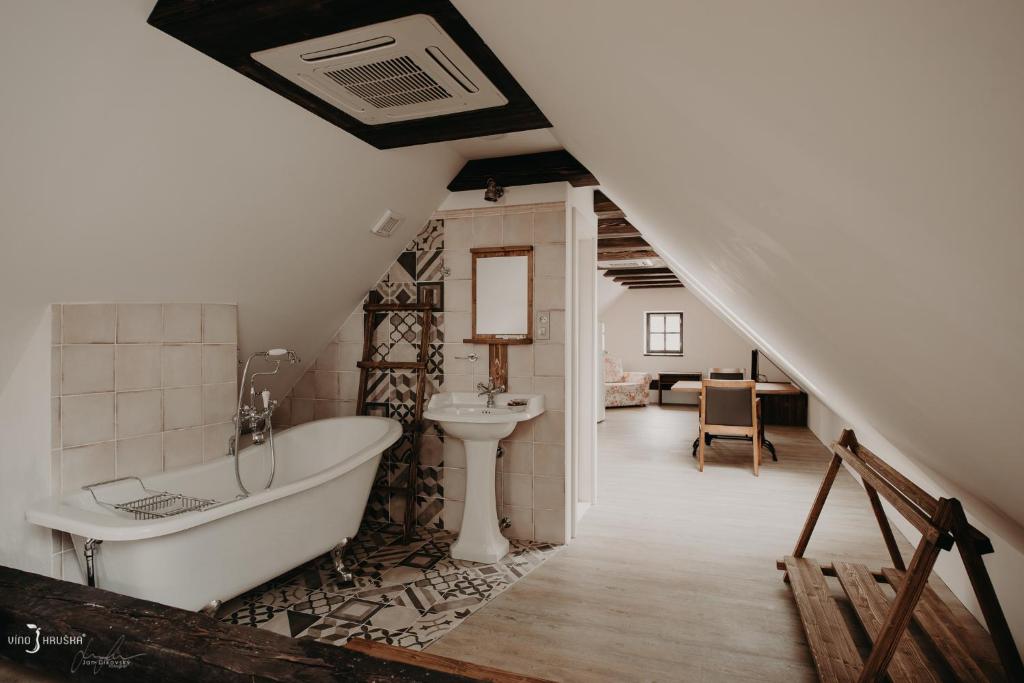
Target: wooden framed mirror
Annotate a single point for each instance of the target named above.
(502, 295)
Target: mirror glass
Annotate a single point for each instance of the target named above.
(501, 295)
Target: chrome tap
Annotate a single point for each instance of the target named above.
(489, 390)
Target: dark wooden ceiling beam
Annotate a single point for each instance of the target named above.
(606, 208)
(616, 272)
(642, 280)
(615, 227)
(622, 244)
(523, 169)
(626, 255)
(230, 32)
(655, 286)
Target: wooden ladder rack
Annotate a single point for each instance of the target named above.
(415, 429)
(896, 654)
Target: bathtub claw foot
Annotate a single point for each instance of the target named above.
(210, 609)
(338, 556)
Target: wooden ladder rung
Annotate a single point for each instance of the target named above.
(832, 648)
(872, 607)
(936, 619)
(391, 365)
(383, 308)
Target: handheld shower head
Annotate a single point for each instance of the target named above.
(279, 354)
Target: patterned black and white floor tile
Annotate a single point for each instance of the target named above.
(405, 594)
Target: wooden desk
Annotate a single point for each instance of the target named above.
(763, 388)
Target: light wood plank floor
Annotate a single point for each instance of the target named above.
(672, 575)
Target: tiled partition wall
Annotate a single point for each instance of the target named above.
(138, 389)
(530, 482)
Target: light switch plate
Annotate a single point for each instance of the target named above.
(542, 330)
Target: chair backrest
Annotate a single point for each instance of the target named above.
(725, 373)
(613, 369)
(729, 402)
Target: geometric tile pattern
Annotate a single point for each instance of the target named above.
(405, 594)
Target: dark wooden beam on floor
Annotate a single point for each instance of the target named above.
(654, 286)
(616, 272)
(615, 227)
(606, 208)
(523, 169)
(606, 255)
(230, 32)
(158, 643)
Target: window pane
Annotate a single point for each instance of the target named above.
(673, 342)
(657, 342)
(672, 322)
(657, 323)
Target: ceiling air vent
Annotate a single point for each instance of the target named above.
(399, 70)
(633, 263)
(387, 224)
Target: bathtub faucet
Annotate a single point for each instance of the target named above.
(258, 420)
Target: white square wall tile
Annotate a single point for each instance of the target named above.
(517, 229)
(140, 457)
(220, 323)
(302, 410)
(183, 447)
(137, 366)
(349, 353)
(55, 370)
(220, 363)
(182, 365)
(549, 526)
(86, 465)
(520, 385)
(139, 323)
(457, 325)
(549, 493)
(215, 440)
(553, 391)
(549, 360)
(549, 260)
(521, 522)
(55, 422)
(517, 490)
(87, 368)
(517, 457)
(219, 402)
(458, 234)
(558, 327)
(523, 431)
(457, 295)
(183, 322)
(549, 227)
(549, 460)
(352, 329)
(459, 263)
(305, 387)
(487, 230)
(138, 413)
(56, 311)
(326, 384)
(454, 452)
(329, 358)
(520, 360)
(549, 427)
(183, 407)
(348, 385)
(548, 294)
(87, 418)
(89, 323)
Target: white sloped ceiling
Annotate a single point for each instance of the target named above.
(134, 168)
(845, 178)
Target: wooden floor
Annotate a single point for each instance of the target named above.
(672, 575)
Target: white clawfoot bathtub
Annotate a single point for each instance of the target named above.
(325, 470)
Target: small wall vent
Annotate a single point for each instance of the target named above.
(398, 70)
(387, 224)
(632, 263)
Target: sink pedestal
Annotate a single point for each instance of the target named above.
(480, 539)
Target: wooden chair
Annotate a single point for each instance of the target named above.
(730, 407)
(725, 373)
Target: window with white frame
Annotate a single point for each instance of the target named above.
(663, 333)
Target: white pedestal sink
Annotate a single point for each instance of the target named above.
(466, 416)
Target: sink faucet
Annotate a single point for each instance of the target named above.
(489, 390)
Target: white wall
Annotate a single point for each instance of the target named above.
(25, 460)
(1005, 565)
(708, 342)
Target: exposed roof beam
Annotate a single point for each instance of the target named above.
(655, 286)
(626, 255)
(646, 280)
(615, 227)
(622, 244)
(523, 169)
(605, 208)
(616, 272)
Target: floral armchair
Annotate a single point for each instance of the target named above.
(624, 388)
